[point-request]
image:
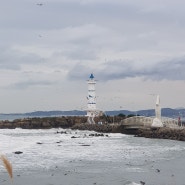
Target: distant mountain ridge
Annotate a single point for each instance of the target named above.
(57, 113)
(166, 112)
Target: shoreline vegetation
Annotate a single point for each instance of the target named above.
(110, 125)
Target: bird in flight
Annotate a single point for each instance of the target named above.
(39, 4)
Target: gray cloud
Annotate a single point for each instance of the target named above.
(78, 72)
(81, 54)
(113, 70)
(29, 83)
(60, 14)
(169, 70)
(13, 59)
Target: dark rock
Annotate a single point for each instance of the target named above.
(142, 182)
(62, 132)
(18, 152)
(91, 134)
(74, 137)
(162, 133)
(96, 127)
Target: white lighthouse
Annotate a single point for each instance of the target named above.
(91, 100)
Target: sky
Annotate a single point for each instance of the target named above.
(49, 48)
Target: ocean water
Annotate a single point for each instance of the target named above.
(130, 158)
(11, 117)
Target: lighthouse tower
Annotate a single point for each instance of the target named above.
(91, 100)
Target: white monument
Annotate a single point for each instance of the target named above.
(91, 100)
(157, 120)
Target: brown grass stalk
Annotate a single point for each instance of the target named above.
(7, 165)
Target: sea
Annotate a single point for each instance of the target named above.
(110, 158)
(11, 117)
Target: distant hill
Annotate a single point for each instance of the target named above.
(56, 113)
(166, 112)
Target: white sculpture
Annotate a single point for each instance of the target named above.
(157, 120)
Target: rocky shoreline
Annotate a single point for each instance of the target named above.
(158, 133)
(109, 128)
(43, 123)
(162, 133)
(80, 123)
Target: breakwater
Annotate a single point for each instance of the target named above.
(73, 122)
(80, 123)
(105, 128)
(162, 133)
(43, 123)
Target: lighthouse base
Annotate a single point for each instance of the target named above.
(90, 120)
(91, 114)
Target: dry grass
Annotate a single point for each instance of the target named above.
(7, 165)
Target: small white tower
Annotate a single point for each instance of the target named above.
(91, 100)
(157, 120)
(158, 108)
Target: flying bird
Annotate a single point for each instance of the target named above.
(39, 4)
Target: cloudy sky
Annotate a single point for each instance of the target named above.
(48, 48)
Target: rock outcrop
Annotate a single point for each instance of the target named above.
(80, 123)
(43, 123)
(98, 128)
(162, 133)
